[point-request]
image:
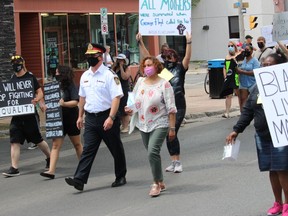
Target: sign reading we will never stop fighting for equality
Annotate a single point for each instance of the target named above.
(16, 97)
(165, 17)
(272, 83)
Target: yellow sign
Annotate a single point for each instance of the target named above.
(166, 74)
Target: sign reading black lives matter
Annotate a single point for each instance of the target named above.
(272, 83)
(16, 97)
(54, 125)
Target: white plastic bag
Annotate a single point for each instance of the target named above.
(231, 151)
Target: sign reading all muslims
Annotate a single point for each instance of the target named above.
(54, 124)
(16, 97)
(165, 17)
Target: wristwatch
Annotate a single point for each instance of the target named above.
(112, 117)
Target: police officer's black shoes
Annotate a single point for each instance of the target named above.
(119, 182)
(72, 182)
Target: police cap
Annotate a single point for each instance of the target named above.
(95, 48)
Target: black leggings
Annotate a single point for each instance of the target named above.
(174, 145)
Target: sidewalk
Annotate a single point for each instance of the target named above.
(199, 104)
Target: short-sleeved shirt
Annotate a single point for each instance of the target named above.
(99, 89)
(262, 55)
(245, 80)
(155, 103)
(70, 93)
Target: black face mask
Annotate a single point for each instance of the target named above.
(247, 53)
(17, 67)
(92, 61)
(58, 77)
(169, 64)
(260, 45)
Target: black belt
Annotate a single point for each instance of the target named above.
(106, 112)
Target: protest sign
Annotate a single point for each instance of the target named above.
(165, 17)
(280, 26)
(54, 124)
(272, 83)
(16, 97)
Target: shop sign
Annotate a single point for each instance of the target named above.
(104, 21)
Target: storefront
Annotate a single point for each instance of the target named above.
(54, 32)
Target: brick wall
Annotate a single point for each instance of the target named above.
(7, 38)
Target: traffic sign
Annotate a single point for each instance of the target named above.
(104, 21)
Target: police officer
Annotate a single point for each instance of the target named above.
(99, 97)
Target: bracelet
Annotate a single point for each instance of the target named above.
(112, 117)
(190, 42)
(172, 128)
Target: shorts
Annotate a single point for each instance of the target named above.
(25, 128)
(69, 124)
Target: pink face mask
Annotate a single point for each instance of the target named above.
(149, 71)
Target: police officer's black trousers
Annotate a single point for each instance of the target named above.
(93, 135)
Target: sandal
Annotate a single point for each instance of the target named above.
(225, 115)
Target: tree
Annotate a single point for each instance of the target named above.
(195, 2)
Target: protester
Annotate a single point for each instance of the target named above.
(155, 117)
(122, 70)
(178, 69)
(108, 60)
(25, 127)
(263, 51)
(231, 82)
(246, 75)
(248, 42)
(69, 104)
(161, 56)
(100, 92)
(274, 160)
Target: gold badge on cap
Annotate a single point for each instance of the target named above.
(90, 46)
(117, 81)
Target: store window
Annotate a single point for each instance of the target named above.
(65, 38)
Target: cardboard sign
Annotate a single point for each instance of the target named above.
(54, 124)
(272, 83)
(164, 17)
(16, 97)
(280, 26)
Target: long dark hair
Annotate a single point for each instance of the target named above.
(67, 76)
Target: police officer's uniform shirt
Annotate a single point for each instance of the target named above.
(99, 89)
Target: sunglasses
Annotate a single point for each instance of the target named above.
(16, 57)
(230, 46)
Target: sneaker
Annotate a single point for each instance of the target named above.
(162, 187)
(32, 146)
(155, 190)
(178, 167)
(285, 210)
(225, 115)
(11, 172)
(47, 163)
(124, 130)
(276, 209)
(171, 167)
(183, 123)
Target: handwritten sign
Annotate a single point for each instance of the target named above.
(280, 26)
(54, 124)
(16, 97)
(272, 83)
(164, 17)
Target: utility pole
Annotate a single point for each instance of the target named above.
(241, 21)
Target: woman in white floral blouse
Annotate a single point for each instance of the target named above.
(155, 117)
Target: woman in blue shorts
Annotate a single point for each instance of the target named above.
(246, 75)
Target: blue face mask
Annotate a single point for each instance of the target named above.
(231, 50)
